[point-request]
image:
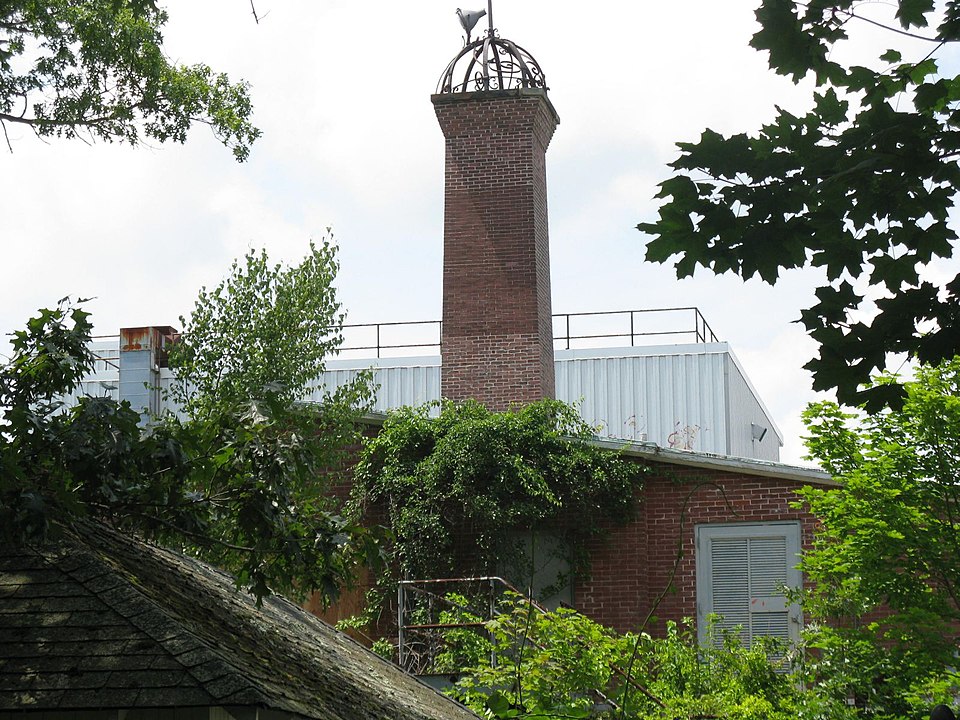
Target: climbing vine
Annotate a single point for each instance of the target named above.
(469, 490)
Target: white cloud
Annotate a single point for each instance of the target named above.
(342, 93)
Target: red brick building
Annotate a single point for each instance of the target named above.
(712, 534)
(715, 530)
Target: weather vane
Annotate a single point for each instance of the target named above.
(469, 19)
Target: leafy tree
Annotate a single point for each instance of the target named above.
(240, 480)
(560, 664)
(886, 562)
(251, 350)
(861, 186)
(529, 663)
(95, 68)
(265, 330)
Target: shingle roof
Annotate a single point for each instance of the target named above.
(102, 620)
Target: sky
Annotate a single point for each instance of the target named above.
(351, 146)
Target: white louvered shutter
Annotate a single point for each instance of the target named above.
(741, 570)
(730, 594)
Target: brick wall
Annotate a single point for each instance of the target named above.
(632, 565)
(497, 336)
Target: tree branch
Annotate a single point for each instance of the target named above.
(200, 537)
(6, 135)
(907, 33)
(41, 122)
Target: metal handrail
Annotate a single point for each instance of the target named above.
(411, 587)
(491, 581)
(379, 346)
(701, 331)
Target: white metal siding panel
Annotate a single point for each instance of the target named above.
(104, 379)
(407, 386)
(746, 408)
(92, 388)
(686, 396)
(398, 386)
(168, 384)
(669, 398)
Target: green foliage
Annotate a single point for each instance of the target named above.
(886, 561)
(56, 463)
(383, 648)
(263, 332)
(861, 186)
(477, 477)
(89, 68)
(257, 480)
(50, 356)
(720, 678)
(462, 647)
(251, 350)
(550, 664)
(241, 481)
(560, 664)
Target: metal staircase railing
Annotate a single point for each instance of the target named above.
(420, 633)
(420, 603)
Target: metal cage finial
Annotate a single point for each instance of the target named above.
(491, 63)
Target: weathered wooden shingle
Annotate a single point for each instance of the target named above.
(105, 621)
(63, 642)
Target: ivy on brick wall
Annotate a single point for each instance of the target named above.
(464, 490)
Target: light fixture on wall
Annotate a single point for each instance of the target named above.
(757, 432)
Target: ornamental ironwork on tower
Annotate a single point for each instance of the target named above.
(491, 63)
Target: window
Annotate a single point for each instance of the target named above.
(540, 563)
(741, 572)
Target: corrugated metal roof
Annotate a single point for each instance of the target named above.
(691, 396)
(678, 396)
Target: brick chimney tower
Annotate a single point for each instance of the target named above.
(497, 332)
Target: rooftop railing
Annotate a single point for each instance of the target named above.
(630, 327)
(570, 331)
